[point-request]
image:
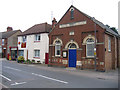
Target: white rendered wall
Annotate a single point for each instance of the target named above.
(19, 47)
(43, 46)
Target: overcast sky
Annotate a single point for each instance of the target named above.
(23, 14)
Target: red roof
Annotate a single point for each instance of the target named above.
(38, 28)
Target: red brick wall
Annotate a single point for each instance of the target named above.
(108, 55)
(81, 32)
(118, 49)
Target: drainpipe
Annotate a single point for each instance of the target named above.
(95, 45)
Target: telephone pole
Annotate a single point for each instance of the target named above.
(95, 44)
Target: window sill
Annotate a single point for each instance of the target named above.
(37, 57)
(58, 56)
(89, 57)
(36, 41)
(109, 51)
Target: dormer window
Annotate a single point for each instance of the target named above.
(72, 13)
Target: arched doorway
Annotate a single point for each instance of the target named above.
(72, 54)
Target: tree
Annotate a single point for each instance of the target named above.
(114, 29)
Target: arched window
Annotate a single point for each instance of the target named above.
(57, 48)
(72, 45)
(72, 13)
(90, 47)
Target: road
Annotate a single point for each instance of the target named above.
(15, 75)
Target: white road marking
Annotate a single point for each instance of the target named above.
(3, 85)
(12, 68)
(50, 78)
(18, 83)
(5, 77)
(36, 75)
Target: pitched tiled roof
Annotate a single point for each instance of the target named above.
(99, 23)
(8, 34)
(105, 27)
(38, 28)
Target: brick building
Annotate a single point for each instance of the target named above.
(81, 41)
(9, 43)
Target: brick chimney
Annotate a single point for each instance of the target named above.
(9, 29)
(54, 22)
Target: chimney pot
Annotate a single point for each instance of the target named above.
(9, 29)
(54, 22)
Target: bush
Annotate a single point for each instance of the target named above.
(28, 61)
(33, 61)
(38, 61)
(20, 59)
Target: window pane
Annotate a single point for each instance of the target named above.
(37, 37)
(24, 38)
(21, 52)
(72, 13)
(73, 45)
(57, 50)
(109, 44)
(2, 41)
(90, 49)
(90, 40)
(37, 53)
(57, 47)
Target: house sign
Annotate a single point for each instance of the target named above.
(72, 24)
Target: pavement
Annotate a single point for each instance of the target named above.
(40, 75)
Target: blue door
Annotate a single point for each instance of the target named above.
(72, 58)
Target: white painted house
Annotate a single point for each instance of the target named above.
(33, 43)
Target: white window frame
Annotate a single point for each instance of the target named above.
(3, 41)
(57, 49)
(21, 51)
(37, 37)
(72, 33)
(38, 54)
(109, 44)
(88, 43)
(24, 38)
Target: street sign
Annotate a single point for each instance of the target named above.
(95, 53)
(94, 49)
